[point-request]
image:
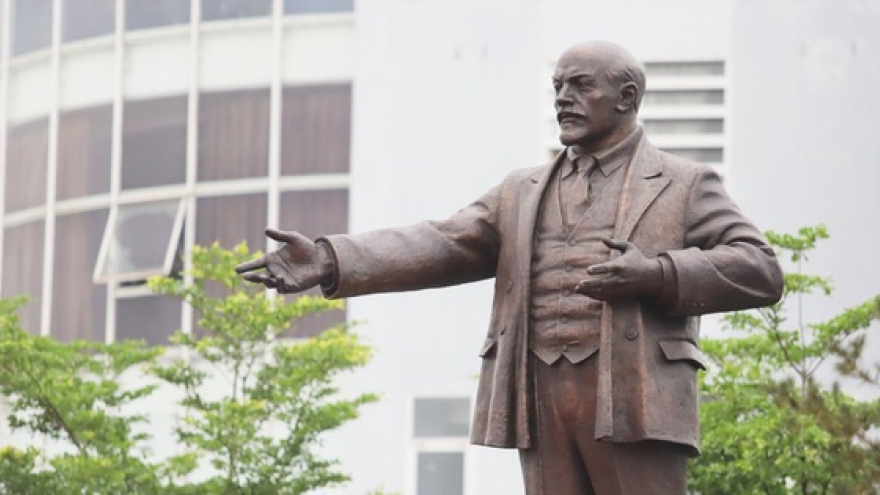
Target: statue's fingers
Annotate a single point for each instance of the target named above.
(279, 235)
(287, 285)
(589, 285)
(252, 265)
(622, 246)
(599, 269)
(260, 278)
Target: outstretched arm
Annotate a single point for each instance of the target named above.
(299, 264)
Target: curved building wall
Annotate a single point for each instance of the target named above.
(134, 129)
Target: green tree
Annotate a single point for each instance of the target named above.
(71, 395)
(260, 436)
(85, 401)
(771, 425)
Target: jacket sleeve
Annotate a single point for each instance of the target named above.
(463, 248)
(726, 264)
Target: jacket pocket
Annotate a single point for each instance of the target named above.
(682, 350)
(488, 347)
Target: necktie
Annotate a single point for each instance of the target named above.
(577, 199)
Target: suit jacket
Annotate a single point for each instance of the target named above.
(648, 354)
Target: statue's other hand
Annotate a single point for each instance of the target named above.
(629, 276)
(294, 267)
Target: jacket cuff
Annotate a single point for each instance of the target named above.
(669, 293)
(330, 282)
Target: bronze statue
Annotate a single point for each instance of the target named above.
(603, 261)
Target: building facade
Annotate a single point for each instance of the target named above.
(135, 129)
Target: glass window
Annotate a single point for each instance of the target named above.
(233, 135)
(316, 129)
(144, 14)
(314, 213)
(440, 473)
(84, 140)
(715, 68)
(233, 9)
(87, 18)
(27, 154)
(79, 305)
(141, 240)
(704, 155)
(154, 142)
(442, 417)
(229, 220)
(685, 97)
(684, 126)
(152, 318)
(31, 25)
(23, 270)
(314, 6)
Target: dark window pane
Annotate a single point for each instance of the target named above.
(685, 97)
(231, 219)
(31, 25)
(27, 153)
(440, 473)
(704, 155)
(23, 270)
(141, 239)
(438, 417)
(143, 14)
(79, 306)
(684, 126)
(151, 318)
(233, 135)
(316, 129)
(84, 138)
(154, 142)
(87, 18)
(311, 6)
(232, 9)
(315, 213)
(684, 69)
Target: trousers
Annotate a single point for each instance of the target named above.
(566, 459)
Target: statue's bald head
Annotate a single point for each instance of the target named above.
(619, 65)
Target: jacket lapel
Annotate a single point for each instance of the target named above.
(644, 182)
(530, 204)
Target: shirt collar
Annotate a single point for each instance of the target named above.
(609, 159)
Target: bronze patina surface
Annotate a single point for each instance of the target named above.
(590, 362)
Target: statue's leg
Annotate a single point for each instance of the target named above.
(564, 407)
(645, 468)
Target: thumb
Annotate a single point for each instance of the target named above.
(622, 246)
(281, 236)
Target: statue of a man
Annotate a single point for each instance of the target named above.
(603, 261)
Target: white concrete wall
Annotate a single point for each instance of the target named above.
(450, 94)
(805, 142)
(449, 97)
(442, 111)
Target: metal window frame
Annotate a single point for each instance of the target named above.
(448, 444)
(100, 274)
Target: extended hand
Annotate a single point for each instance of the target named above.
(294, 267)
(629, 276)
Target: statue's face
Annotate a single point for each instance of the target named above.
(586, 100)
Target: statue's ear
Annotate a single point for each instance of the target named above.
(629, 93)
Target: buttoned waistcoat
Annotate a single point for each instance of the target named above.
(648, 355)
